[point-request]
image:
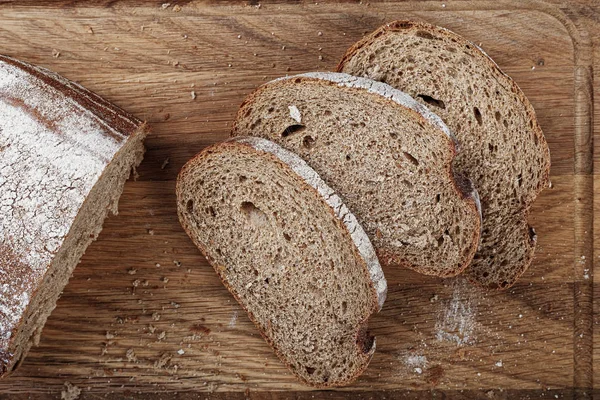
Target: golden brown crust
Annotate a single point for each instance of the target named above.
(374, 309)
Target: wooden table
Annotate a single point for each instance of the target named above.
(145, 316)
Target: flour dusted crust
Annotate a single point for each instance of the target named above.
(359, 237)
(56, 138)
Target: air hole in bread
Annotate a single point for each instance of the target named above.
(292, 129)
(256, 123)
(189, 206)
(310, 370)
(450, 49)
(437, 198)
(254, 215)
(308, 142)
(348, 157)
(242, 178)
(440, 240)
(411, 158)
(498, 116)
(344, 307)
(504, 284)
(210, 211)
(327, 112)
(505, 123)
(424, 35)
(477, 115)
(408, 184)
(286, 236)
(393, 135)
(432, 101)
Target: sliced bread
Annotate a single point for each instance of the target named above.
(289, 251)
(504, 150)
(65, 154)
(387, 156)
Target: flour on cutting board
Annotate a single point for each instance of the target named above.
(457, 318)
(233, 320)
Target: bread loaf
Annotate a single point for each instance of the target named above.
(65, 154)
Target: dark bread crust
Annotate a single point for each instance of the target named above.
(478, 53)
(116, 124)
(464, 187)
(365, 343)
(107, 112)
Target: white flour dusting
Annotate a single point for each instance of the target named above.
(233, 320)
(456, 321)
(52, 152)
(416, 361)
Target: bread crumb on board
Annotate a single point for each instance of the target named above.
(131, 357)
(71, 392)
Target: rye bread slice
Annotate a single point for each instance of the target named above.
(65, 154)
(504, 150)
(289, 251)
(387, 156)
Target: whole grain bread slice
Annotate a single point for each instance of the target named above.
(65, 154)
(504, 150)
(289, 251)
(387, 156)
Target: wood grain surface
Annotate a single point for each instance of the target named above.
(145, 316)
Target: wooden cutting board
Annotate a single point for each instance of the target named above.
(145, 316)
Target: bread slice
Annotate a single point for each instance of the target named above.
(64, 156)
(387, 156)
(289, 251)
(504, 150)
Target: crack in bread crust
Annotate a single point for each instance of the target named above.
(56, 141)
